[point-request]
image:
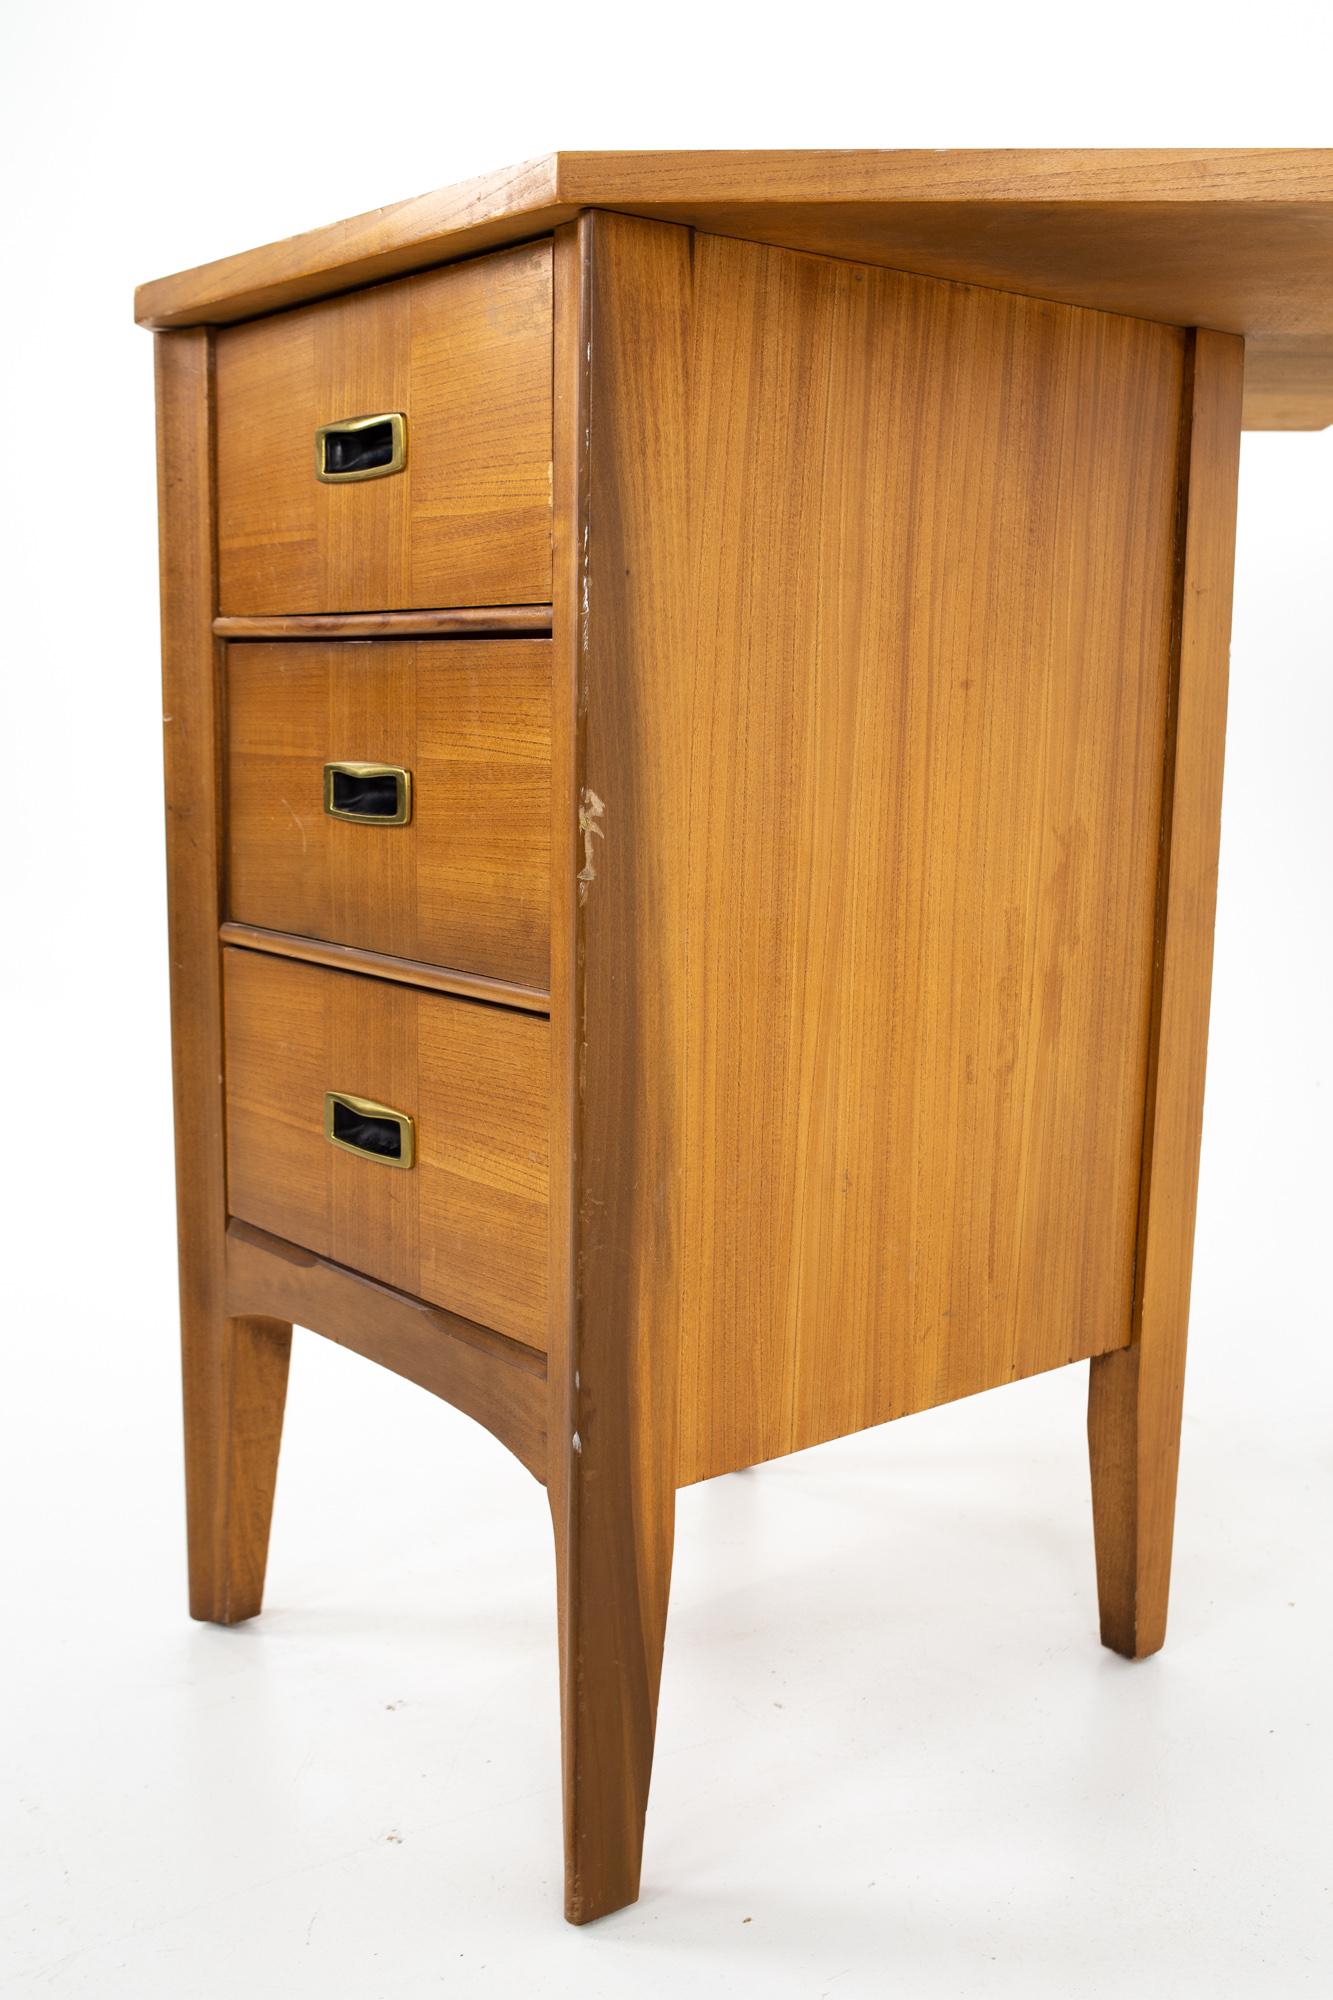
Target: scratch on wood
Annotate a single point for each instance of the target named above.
(584, 601)
(300, 827)
(590, 811)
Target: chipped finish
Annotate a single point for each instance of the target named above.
(591, 810)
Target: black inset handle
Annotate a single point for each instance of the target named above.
(366, 1134)
(375, 1130)
(381, 793)
(361, 447)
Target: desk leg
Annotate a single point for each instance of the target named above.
(1135, 1395)
(1134, 1449)
(235, 1370)
(623, 570)
(613, 1577)
(235, 1381)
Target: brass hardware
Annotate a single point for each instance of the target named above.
(340, 800)
(364, 1115)
(366, 457)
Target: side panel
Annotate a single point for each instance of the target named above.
(880, 795)
(921, 739)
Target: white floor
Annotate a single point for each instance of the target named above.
(892, 1757)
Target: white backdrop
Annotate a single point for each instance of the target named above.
(891, 1754)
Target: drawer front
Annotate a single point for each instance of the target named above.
(465, 1224)
(464, 354)
(465, 881)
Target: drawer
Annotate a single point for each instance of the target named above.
(465, 881)
(465, 1224)
(463, 354)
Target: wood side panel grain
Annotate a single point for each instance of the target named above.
(1239, 239)
(908, 767)
(495, 1381)
(234, 1369)
(1263, 268)
(466, 883)
(466, 1227)
(1135, 1396)
(622, 591)
(465, 353)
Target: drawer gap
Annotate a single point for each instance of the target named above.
(383, 965)
(499, 621)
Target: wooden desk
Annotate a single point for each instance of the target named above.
(693, 831)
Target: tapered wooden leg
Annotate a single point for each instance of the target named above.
(235, 1370)
(1134, 1448)
(1134, 1400)
(616, 1307)
(613, 1577)
(235, 1381)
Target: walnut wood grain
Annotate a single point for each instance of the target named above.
(465, 353)
(1134, 1405)
(498, 1382)
(234, 1369)
(477, 621)
(1237, 239)
(383, 965)
(466, 1227)
(466, 883)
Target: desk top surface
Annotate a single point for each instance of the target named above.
(1232, 239)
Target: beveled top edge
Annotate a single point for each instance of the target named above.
(1238, 239)
(493, 209)
(524, 199)
(1012, 174)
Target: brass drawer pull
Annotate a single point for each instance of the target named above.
(379, 794)
(361, 448)
(373, 1131)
